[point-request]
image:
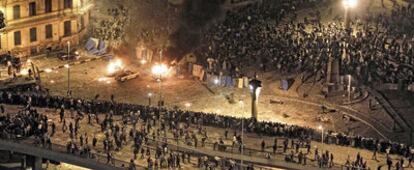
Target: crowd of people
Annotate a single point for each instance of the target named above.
(27, 122)
(116, 134)
(113, 29)
(267, 36)
(264, 35)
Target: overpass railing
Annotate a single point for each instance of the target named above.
(30, 146)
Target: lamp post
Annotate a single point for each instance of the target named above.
(349, 87)
(68, 67)
(347, 5)
(321, 128)
(242, 130)
(149, 99)
(255, 87)
(187, 106)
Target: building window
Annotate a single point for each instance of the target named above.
(49, 31)
(33, 34)
(67, 4)
(48, 6)
(2, 24)
(17, 38)
(67, 25)
(16, 12)
(32, 8)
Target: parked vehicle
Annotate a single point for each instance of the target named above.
(74, 55)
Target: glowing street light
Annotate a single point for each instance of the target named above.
(347, 5)
(320, 127)
(149, 99)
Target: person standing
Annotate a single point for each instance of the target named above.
(62, 114)
(94, 141)
(131, 165)
(374, 155)
(108, 157)
(331, 163)
(389, 162)
(263, 144)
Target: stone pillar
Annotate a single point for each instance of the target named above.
(254, 105)
(333, 76)
(23, 162)
(255, 88)
(34, 161)
(38, 163)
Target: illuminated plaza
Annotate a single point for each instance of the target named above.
(197, 84)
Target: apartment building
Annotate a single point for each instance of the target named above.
(35, 26)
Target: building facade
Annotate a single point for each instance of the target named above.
(36, 26)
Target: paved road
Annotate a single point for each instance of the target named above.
(58, 153)
(247, 159)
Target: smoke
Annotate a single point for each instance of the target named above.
(196, 16)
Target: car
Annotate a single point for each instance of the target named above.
(72, 56)
(125, 75)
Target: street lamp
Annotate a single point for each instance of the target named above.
(241, 103)
(255, 87)
(349, 87)
(149, 99)
(347, 5)
(187, 106)
(321, 128)
(67, 66)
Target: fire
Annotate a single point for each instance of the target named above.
(100, 79)
(160, 70)
(48, 70)
(24, 72)
(114, 66)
